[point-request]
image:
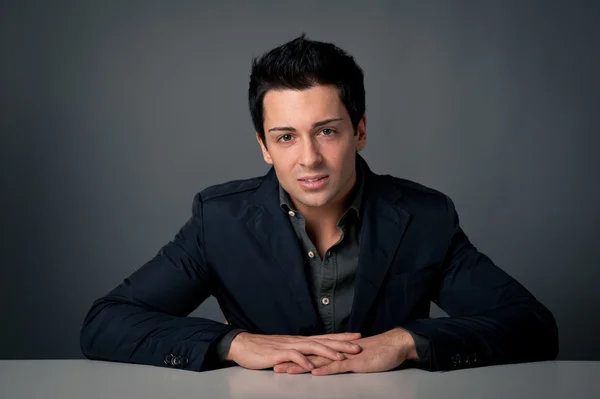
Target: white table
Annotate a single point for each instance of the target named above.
(69, 379)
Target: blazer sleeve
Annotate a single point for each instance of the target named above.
(492, 318)
(143, 320)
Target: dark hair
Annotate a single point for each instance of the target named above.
(301, 64)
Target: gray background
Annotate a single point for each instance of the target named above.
(114, 113)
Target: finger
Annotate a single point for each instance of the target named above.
(341, 346)
(292, 355)
(317, 348)
(283, 367)
(318, 361)
(296, 370)
(339, 336)
(336, 367)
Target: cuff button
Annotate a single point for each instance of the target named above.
(169, 359)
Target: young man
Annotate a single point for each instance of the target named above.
(321, 265)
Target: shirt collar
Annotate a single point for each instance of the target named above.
(355, 202)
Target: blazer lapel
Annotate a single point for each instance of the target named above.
(384, 224)
(274, 232)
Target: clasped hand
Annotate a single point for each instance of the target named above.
(323, 354)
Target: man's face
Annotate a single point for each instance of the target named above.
(311, 144)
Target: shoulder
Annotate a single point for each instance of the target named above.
(230, 190)
(429, 206)
(411, 188)
(417, 197)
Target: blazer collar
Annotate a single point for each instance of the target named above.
(383, 228)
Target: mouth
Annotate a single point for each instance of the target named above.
(312, 179)
(314, 182)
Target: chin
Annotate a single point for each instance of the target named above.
(315, 202)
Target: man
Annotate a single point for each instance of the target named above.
(321, 265)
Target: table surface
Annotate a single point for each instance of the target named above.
(66, 379)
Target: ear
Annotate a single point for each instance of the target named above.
(263, 148)
(361, 134)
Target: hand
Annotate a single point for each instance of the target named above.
(381, 352)
(254, 351)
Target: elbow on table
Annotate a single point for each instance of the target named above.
(546, 337)
(87, 346)
(94, 334)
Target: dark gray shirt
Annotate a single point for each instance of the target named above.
(331, 277)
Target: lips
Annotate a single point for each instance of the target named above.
(313, 183)
(313, 178)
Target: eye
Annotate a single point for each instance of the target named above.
(285, 138)
(327, 131)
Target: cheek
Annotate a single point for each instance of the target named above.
(333, 153)
(284, 164)
(341, 158)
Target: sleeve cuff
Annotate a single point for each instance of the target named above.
(224, 343)
(423, 346)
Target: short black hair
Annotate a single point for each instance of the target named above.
(301, 64)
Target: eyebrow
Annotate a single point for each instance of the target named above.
(316, 124)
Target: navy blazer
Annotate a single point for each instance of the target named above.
(240, 247)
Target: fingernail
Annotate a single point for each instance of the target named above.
(355, 347)
(312, 366)
(340, 356)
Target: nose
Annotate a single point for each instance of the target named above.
(310, 154)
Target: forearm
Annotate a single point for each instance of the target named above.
(516, 332)
(123, 332)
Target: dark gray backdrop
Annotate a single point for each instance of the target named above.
(114, 113)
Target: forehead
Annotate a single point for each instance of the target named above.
(297, 107)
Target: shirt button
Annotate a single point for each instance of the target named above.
(311, 254)
(325, 301)
(292, 213)
(328, 253)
